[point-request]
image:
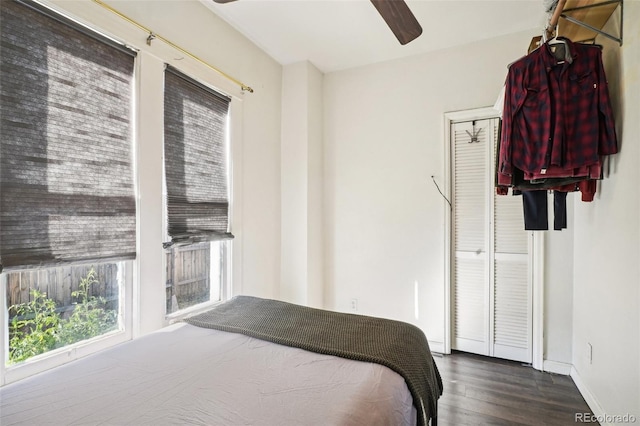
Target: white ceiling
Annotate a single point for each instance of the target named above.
(340, 34)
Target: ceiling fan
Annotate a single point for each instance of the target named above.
(396, 14)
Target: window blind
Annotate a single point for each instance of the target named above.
(66, 177)
(195, 126)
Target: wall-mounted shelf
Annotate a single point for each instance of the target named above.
(582, 20)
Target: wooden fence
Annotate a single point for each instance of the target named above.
(59, 283)
(188, 283)
(188, 270)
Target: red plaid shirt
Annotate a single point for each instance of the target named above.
(556, 114)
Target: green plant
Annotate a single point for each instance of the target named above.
(36, 326)
(89, 318)
(33, 328)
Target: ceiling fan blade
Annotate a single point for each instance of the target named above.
(399, 18)
(223, 1)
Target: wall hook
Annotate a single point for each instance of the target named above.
(474, 136)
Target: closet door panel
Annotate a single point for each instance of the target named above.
(470, 189)
(509, 233)
(512, 292)
(512, 308)
(491, 279)
(470, 317)
(470, 237)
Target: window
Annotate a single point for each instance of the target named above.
(52, 308)
(197, 195)
(195, 274)
(68, 222)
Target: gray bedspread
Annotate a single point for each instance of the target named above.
(397, 345)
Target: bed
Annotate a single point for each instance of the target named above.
(248, 361)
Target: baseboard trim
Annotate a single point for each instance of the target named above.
(591, 400)
(436, 347)
(557, 367)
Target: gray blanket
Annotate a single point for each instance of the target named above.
(397, 345)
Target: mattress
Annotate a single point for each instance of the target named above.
(185, 374)
(398, 345)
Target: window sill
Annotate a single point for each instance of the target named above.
(190, 311)
(58, 357)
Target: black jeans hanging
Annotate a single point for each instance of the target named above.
(535, 205)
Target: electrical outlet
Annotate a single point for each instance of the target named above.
(354, 305)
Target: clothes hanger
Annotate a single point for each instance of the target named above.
(557, 46)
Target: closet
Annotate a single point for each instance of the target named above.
(491, 254)
(492, 264)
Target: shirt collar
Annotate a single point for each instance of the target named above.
(550, 60)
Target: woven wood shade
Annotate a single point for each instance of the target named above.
(66, 177)
(195, 125)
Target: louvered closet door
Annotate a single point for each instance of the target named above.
(470, 237)
(512, 283)
(491, 285)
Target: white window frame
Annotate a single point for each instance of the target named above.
(227, 246)
(225, 285)
(60, 356)
(127, 270)
(144, 297)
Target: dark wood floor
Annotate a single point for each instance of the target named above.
(487, 391)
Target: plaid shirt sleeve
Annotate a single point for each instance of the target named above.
(514, 97)
(608, 142)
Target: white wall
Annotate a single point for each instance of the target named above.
(302, 255)
(383, 140)
(256, 135)
(558, 294)
(606, 305)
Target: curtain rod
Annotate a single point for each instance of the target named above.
(153, 36)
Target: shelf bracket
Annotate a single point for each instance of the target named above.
(592, 28)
